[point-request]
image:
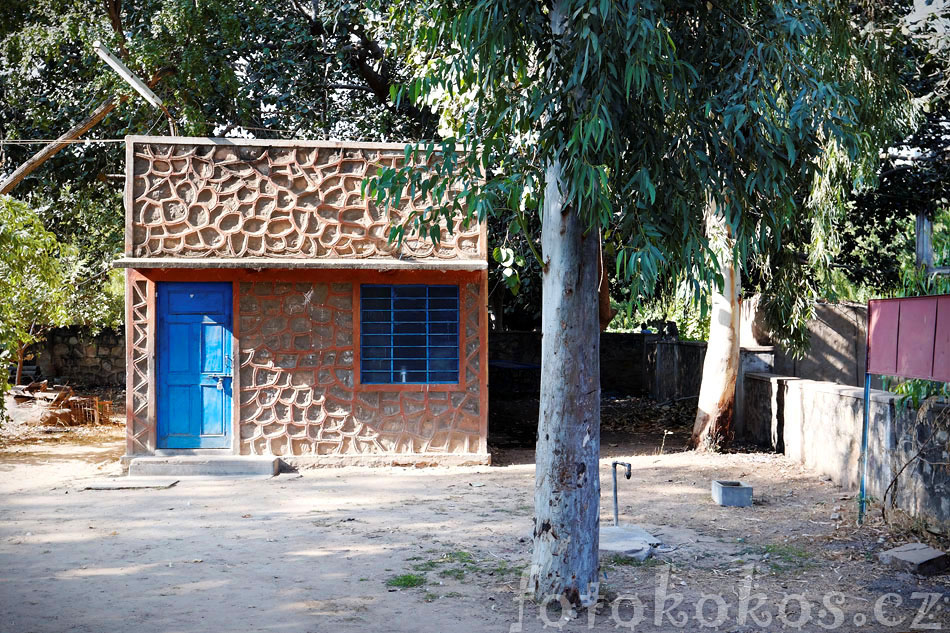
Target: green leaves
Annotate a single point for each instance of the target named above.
(650, 109)
(35, 286)
(507, 260)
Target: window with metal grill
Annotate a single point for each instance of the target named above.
(409, 334)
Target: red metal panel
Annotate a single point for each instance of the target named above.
(942, 341)
(883, 316)
(915, 337)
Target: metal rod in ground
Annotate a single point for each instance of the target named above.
(862, 497)
(628, 473)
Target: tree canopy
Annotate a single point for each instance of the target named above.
(636, 118)
(651, 108)
(277, 69)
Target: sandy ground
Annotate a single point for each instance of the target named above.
(327, 550)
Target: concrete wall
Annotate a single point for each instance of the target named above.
(675, 369)
(644, 364)
(630, 364)
(838, 335)
(819, 424)
(515, 363)
(74, 356)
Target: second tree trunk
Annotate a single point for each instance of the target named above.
(717, 394)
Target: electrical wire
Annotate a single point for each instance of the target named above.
(46, 141)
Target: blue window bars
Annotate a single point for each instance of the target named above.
(409, 334)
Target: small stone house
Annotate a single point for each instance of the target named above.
(268, 314)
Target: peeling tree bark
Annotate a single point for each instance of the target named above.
(717, 393)
(567, 477)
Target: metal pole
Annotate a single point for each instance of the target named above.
(616, 509)
(862, 503)
(628, 474)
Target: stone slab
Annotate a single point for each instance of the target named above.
(916, 558)
(203, 466)
(128, 483)
(627, 540)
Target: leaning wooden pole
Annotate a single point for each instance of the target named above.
(74, 133)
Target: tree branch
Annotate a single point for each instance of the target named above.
(114, 11)
(73, 133)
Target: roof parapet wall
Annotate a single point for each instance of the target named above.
(205, 198)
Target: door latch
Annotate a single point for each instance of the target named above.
(219, 385)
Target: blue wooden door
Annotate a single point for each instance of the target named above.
(194, 365)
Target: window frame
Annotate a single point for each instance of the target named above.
(358, 326)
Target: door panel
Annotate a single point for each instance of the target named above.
(194, 365)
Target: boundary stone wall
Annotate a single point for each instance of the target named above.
(820, 423)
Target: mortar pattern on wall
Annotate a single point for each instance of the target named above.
(230, 201)
(298, 391)
(139, 430)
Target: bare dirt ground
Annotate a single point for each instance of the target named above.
(439, 549)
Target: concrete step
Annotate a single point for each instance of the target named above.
(202, 466)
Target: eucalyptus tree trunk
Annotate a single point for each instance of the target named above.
(717, 393)
(567, 476)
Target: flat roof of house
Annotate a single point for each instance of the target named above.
(273, 142)
(299, 263)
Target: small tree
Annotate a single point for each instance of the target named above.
(34, 283)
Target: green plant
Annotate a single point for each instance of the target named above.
(456, 572)
(406, 581)
(428, 565)
(620, 560)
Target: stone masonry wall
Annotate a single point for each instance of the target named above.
(75, 356)
(297, 385)
(197, 199)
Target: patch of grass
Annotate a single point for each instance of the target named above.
(456, 572)
(430, 597)
(406, 581)
(782, 558)
(787, 553)
(504, 568)
(619, 560)
(453, 594)
(428, 565)
(459, 557)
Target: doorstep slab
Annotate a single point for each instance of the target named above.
(203, 466)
